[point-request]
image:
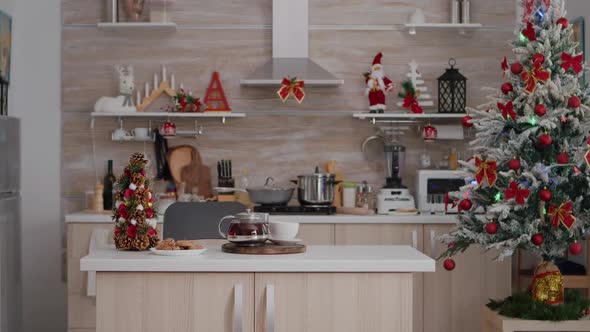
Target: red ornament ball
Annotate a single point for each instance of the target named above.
(514, 164)
(451, 245)
(540, 110)
(465, 204)
(564, 22)
(492, 227)
(545, 140)
(466, 120)
(574, 102)
(449, 264)
(575, 248)
(516, 68)
(563, 158)
(545, 195)
(537, 239)
(538, 59)
(586, 312)
(507, 88)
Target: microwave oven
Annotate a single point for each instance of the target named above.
(432, 188)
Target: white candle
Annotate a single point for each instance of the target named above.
(172, 82)
(147, 89)
(163, 73)
(190, 93)
(155, 81)
(181, 86)
(138, 98)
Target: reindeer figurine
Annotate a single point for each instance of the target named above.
(123, 102)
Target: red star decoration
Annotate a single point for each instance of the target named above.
(504, 66)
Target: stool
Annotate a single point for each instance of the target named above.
(493, 322)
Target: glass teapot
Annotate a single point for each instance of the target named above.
(246, 228)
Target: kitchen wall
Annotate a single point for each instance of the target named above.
(275, 139)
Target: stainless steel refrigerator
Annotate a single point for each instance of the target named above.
(10, 261)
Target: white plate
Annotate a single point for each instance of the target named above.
(285, 242)
(395, 213)
(194, 252)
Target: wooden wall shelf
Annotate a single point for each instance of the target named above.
(461, 28)
(153, 26)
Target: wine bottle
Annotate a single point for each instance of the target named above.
(109, 181)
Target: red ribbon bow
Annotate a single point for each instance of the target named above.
(504, 66)
(520, 195)
(529, 32)
(411, 102)
(507, 110)
(486, 171)
(532, 76)
(587, 155)
(568, 61)
(291, 87)
(562, 215)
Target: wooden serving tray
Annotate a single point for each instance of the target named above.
(264, 249)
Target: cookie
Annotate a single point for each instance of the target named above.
(185, 244)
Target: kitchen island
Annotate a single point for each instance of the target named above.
(328, 288)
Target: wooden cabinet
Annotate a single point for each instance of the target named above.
(453, 301)
(316, 234)
(388, 234)
(324, 302)
(179, 302)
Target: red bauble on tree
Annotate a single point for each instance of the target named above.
(545, 195)
(563, 158)
(514, 164)
(564, 22)
(538, 59)
(575, 248)
(574, 102)
(492, 227)
(449, 264)
(516, 68)
(465, 121)
(540, 110)
(537, 239)
(544, 141)
(507, 88)
(465, 205)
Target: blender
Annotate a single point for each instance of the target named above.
(394, 197)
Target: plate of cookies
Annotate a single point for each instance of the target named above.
(171, 247)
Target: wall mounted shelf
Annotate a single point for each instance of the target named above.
(461, 28)
(166, 115)
(140, 26)
(396, 117)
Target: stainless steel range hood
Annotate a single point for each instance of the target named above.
(290, 56)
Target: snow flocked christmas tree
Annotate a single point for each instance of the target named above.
(530, 170)
(134, 215)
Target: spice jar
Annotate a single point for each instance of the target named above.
(361, 195)
(371, 199)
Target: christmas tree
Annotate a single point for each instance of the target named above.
(134, 215)
(420, 91)
(528, 180)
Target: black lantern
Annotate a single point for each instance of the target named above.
(452, 90)
(3, 95)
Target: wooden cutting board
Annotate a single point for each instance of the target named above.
(264, 249)
(178, 157)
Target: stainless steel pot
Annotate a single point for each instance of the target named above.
(316, 189)
(271, 194)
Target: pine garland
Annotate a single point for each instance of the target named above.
(521, 305)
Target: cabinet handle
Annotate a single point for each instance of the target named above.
(415, 239)
(432, 243)
(237, 321)
(270, 308)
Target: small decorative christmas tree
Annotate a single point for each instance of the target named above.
(420, 91)
(134, 215)
(530, 174)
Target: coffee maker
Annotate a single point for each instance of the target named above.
(394, 196)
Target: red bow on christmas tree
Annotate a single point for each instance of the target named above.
(568, 61)
(529, 32)
(532, 76)
(486, 170)
(507, 110)
(562, 215)
(411, 102)
(291, 86)
(519, 195)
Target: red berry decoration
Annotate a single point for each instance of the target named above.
(516, 68)
(507, 88)
(492, 227)
(466, 120)
(465, 204)
(537, 239)
(564, 22)
(540, 110)
(538, 59)
(545, 195)
(574, 102)
(449, 264)
(514, 164)
(563, 158)
(575, 248)
(545, 140)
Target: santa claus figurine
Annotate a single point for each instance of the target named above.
(377, 85)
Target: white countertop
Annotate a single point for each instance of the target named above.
(390, 259)
(89, 217)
